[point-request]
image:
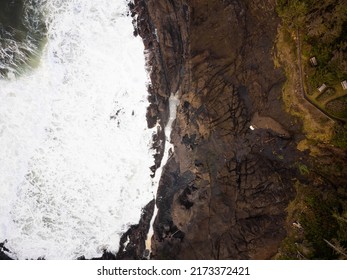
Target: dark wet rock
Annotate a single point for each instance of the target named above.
(164, 50)
(189, 141)
(224, 191)
(132, 243)
(3, 252)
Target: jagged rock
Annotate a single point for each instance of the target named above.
(132, 243)
(3, 251)
(224, 192)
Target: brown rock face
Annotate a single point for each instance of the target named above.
(224, 191)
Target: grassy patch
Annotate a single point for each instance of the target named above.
(323, 31)
(303, 169)
(316, 126)
(317, 218)
(314, 217)
(319, 224)
(340, 137)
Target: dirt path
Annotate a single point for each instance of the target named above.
(301, 79)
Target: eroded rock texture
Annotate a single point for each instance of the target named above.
(224, 191)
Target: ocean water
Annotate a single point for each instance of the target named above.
(75, 149)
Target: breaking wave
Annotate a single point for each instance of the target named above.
(75, 148)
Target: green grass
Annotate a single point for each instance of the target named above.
(320, 205)
(323, 27)
(340, 137)
(322, 215)
(303, 169)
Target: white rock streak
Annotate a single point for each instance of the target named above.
(169, 149)
(75, 148)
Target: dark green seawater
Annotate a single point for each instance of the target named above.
(22, 34)
(11, 14)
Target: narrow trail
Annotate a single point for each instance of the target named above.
(301, 79)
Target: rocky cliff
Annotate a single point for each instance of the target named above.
(224, 191)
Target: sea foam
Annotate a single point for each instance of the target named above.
(75, 149)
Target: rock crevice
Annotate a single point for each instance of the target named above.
(224, 191)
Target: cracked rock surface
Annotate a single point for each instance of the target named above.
(224, 191)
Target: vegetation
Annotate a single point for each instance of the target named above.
(322, 26)
(317, 218)
(317, 127)
(340, 137)
(319, 224)
(318, 221)
(303, 169)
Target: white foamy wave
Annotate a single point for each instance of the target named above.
(75, 151)
(20, 47)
